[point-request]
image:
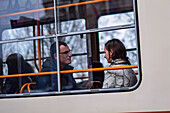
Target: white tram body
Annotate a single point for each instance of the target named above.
(153, 93)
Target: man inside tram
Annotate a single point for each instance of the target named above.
(50, 82)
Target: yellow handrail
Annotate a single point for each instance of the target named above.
(70, 71)
(23, 87)
(28, 86)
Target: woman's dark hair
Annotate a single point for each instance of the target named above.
(17, 65)
(15, 62)
(119, 50)
(53, 47)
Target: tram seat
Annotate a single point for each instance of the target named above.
(28, 87)
(98, 75)
(94, 85)
(97, 78)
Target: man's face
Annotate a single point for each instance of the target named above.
(65, 55)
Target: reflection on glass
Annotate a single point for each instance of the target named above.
(77, 43)
(31, 18)
(25, 13)
(116, 19)
(73, 26)
(127, 36)
(24, 48)
(93, 10)
(73, 15)
(17, 33)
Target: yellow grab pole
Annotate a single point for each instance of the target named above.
(71, 71)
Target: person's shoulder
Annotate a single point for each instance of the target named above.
(117, 70)
(46, 65)
(68, 67)
(47, 62)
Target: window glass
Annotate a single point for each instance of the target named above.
(80, 55)
(116, 20)
(25, 48)
(125, 35)
(91, 11)
(77, 45)
(17, 33)
(73, 26)
(16, 57)
(83, 29)
(26, 13)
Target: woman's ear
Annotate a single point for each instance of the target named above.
(111, 52)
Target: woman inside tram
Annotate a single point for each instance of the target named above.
(16, 65)
(115, 53)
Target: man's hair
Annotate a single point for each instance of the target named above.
(53, 47)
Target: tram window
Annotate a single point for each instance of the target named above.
(17, 33)
(65, 27)
(128, 41)
(116, 20)
(15, 56)
(24, 48)
(72, 26)
(127, 36)
(91, 11)
(81, 58)
(77, 45)
(25, 13)
(85, 26)
(27, 32)
(46, 29)
(79, 62)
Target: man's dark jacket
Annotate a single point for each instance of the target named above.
(49, 82)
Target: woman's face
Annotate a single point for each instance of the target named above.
(109, 58)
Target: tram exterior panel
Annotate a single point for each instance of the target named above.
(153, 93)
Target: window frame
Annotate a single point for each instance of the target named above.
(95, 30)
